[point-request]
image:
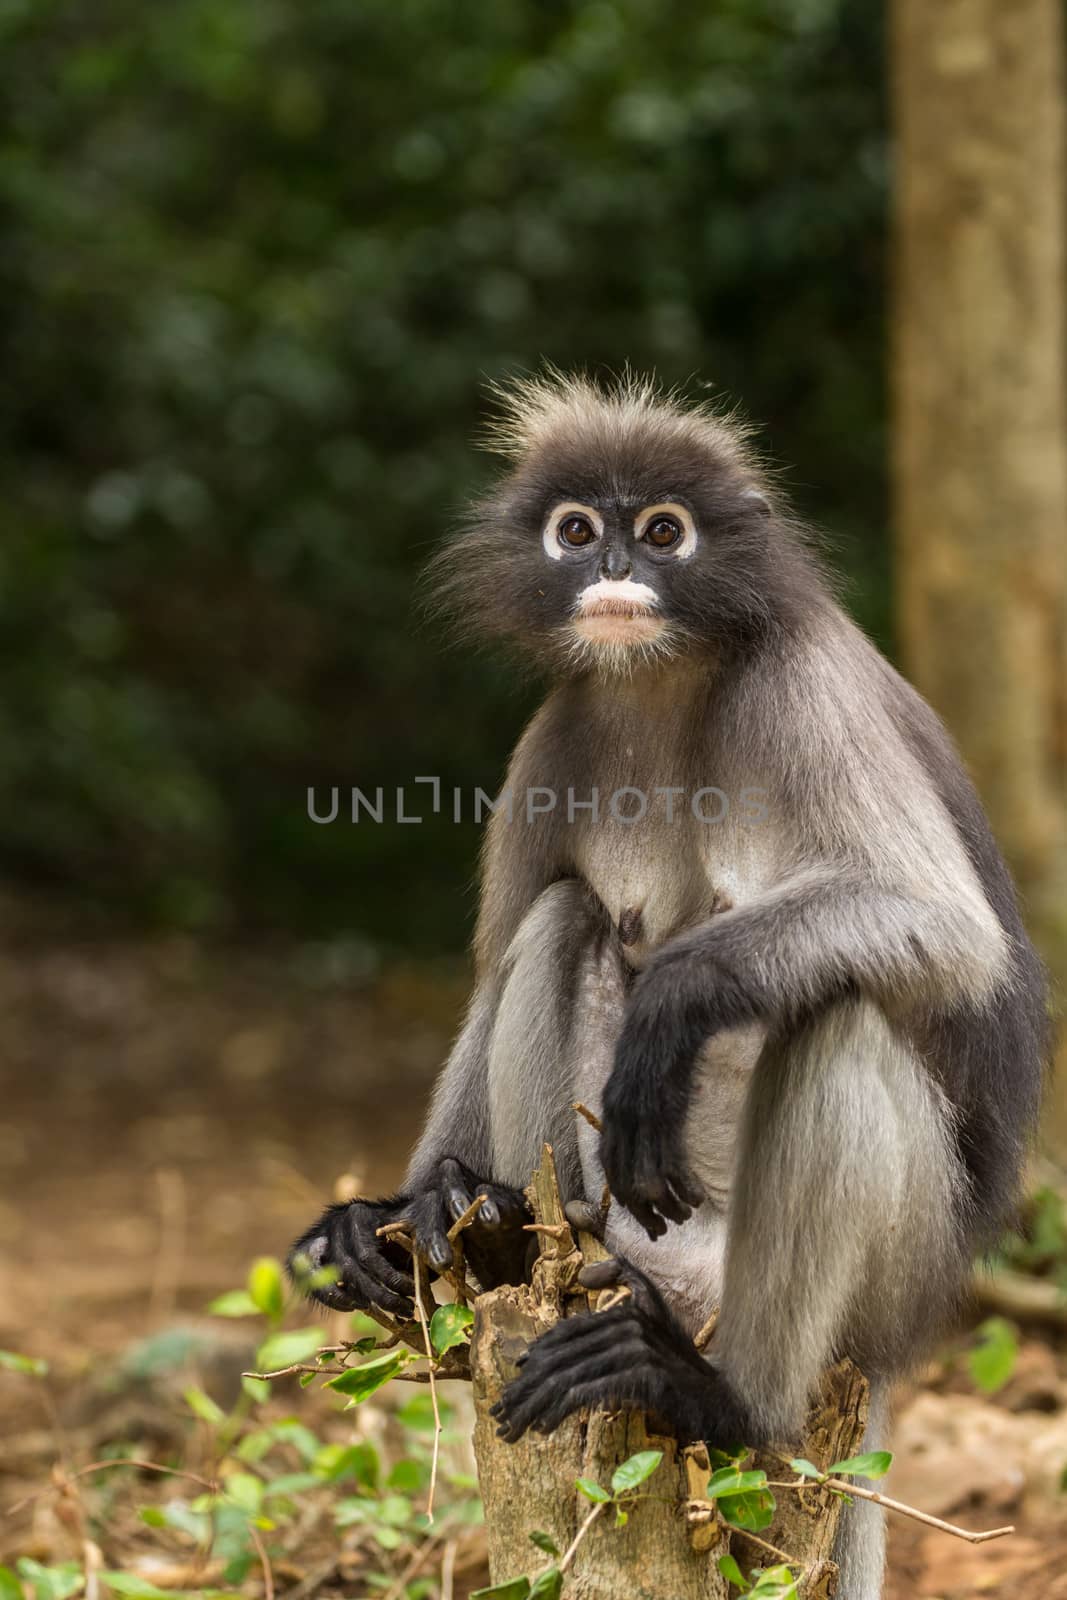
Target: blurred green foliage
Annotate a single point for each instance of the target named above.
(259, 257)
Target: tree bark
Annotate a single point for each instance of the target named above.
(670, 1547)
(980, 448)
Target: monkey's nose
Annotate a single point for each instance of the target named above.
(616, 564)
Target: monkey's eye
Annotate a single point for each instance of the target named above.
(574, 531)
(663, 532)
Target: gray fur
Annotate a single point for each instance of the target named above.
(860, 1139)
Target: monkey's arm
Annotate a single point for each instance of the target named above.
(444, 1176)
(453, 1161)
(818, 938)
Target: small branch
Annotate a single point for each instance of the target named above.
(288, 1372)
(909, 1511)
(590, 1116)
(448, 1570)
(572, 1549)
(1013, 1294)
(417, 1562)
(210, 1484)
(421, 1313)
(765, 1544)
(552, 1230)
(264, 1560)
(466, 1219)
(704, 1336)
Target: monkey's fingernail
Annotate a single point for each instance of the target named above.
(490, 1213)
(458, 1201)
(599, 1274)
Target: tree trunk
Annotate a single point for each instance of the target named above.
(980, 451)
(669, 1548)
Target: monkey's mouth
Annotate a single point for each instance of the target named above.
(612, 612)
(618, 622)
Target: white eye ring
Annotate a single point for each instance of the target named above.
(559, 515)
(686, 546)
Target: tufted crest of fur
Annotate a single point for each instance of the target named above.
(531, 411)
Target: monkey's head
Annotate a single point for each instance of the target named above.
(629, 528)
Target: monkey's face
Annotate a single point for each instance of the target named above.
(627, 531)
(613, 578)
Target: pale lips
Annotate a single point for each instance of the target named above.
(614, 616)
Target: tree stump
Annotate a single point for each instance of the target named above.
(670, 1547)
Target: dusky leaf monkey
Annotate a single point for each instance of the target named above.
(811, 1021)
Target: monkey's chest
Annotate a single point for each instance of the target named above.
(657, 875)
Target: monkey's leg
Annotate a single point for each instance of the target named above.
(507, 1087)
(845, 1228)
(562, 999)
(842, 1236)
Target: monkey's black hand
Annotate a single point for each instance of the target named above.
(687, 993)
(372, 1271)
(635, 1357)
(646, 1105)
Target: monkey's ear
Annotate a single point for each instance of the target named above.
(758, 499)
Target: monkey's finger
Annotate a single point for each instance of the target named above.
(375, 1266)
(601, 1274)
(356, 1290)
(687, 1188)
(645, 1296)
(547, 1404)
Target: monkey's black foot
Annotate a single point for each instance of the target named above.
(372, 1271)
(635, 1357)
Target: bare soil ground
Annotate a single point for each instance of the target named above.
(170, 1112)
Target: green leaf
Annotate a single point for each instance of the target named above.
(750, 1512)
(512, 1589)
(417, 1413)
(621, 1518)
(875, 1464)
(31, 1366)
(152, 1517)
(635, 1470)
(266, 1286)
(287, 1349)
(775, 1583)
(545, 1542)
(593, 1491)
(259, 1388)
(730, 1481)
(732, 1573)
(450, 1326)
(407, 1476)
(395, 1510)
(354, 1510)
(806, 1468)
(244, 1490)
(992, 1361)
(202, 1406)
(359, 1383)
(51, 1582)
(129, 1583)
(360, 1461)
(234, 1303)
(548, 1585)
(289, 1483)
(10, 1587)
